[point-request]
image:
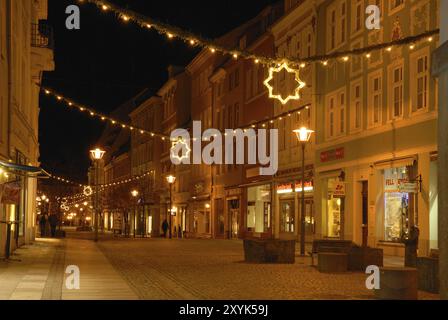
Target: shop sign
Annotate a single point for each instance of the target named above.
(408, 187)
(294, 187)
(394, 185)
(339, 190)
(332, 155)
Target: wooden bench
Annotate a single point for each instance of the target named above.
(327, 245)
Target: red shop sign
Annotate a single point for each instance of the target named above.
(332, 155)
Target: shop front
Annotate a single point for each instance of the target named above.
(258, 217)
(289, 195)
(198, 219)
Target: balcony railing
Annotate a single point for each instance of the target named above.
(42, 35)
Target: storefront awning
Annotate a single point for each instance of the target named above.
(20, 169)
(395, 163)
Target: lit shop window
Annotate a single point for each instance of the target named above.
(259, 208)
(334, 203)
(287, 216)
(396, 204)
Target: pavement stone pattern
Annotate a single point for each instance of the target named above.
(25, 276)
(214, 269)
(40, 273)
(163, 269)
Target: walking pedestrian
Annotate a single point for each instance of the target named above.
(42, 223)
(53, 219)
(179, 232)
(164, 227)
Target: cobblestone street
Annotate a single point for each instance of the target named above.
(156, 269)
(214, 269)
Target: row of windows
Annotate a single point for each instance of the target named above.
(337, 18)
(337, 104)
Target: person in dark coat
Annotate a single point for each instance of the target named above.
(42, 222)
(53, 219)
(164, 227)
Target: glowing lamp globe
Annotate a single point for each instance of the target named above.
(97, 154)
(303, 134)
(171, 179)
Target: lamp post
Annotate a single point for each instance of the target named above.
(135, 193)
(303, 135)
(171, 179)
(96, 156)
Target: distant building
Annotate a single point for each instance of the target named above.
(145, 158)
(26, 50)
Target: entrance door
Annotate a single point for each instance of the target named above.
(365, 212)
(234, 223)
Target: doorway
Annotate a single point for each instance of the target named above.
(234, 223)
(365, 212)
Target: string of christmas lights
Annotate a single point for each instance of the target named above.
(101, 186)
(195, 40)
(93, 113)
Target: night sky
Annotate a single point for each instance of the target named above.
(109, 61)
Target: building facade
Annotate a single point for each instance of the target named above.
(295, 37)
(26, 50)
(145, 157)
(376, 127)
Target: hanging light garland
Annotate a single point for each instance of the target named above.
(195, 40)
(93, 113)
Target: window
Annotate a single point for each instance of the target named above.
(420, 82)
(332, 117)
(287, 216)
(396, 204)
(396, 96)
(237, 115)
(336, 114)
(237, 77)
(334, 204)
(342, 113)
(337, 24)
(230, 81)
(356, 106)
(309, 45)
(375, 99)
(343, 20)
(395, 6)
(333, 29)
(259, 208)
(357, 10)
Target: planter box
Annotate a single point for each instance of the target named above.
(269, 251)
(360, 258)
(397, 284)
(332, 262)
(428, 274)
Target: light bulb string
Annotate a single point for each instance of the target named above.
(196, 40)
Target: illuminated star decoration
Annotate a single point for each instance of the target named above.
(279, 97)
(87, 191)
(174, 147)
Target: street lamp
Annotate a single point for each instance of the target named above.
(171, 179)
(303, 135)
(96, 156)
(135, 193)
